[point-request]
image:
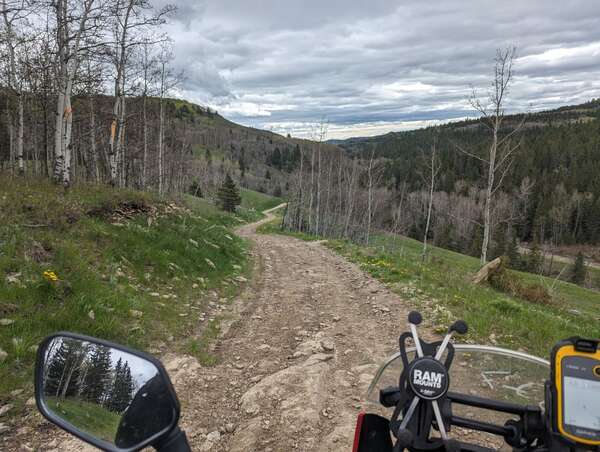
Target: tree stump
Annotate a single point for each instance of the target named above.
(487, 270)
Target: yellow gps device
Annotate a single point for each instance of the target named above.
(575, 373)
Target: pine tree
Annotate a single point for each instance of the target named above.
(229, 195)
(112, 397)
(534, 259)
(122, 388)
(513, 254)
(579, 270)
(97, 378)
(276, 159)
(56, 369)
(63, 371)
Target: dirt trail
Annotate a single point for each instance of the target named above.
(295, 359)
(295, 365)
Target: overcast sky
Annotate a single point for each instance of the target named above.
(373, 66)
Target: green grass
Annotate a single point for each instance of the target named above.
(441, 288)
(199, 347)
(274, 227)
(251, 208)
(87, 417)
(258, 201)
(164, 262)
(570, 296)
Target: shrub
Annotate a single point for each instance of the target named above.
(509, 282)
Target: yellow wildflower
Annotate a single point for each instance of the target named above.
(49, 275)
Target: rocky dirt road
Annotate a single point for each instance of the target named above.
(294, 367)
(294, 362)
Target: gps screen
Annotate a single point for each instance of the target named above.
(582, 403)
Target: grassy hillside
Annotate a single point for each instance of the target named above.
(224, 147)
(442, 289)
(257, 202)
(88, 417)
(129, 267)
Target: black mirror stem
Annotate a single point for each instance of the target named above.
(175, 441)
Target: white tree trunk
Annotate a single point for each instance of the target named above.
(93, 149)
(66, 141)
(312, 189)
(434, 168)
(145, 132)
(350, 204)
(68, 62)
(300, 194)
(487, 211)
(15, 84)
(370, 197)
(160, 147)
(318, 212)
(20, 134)
(431, 188)
(113, 153)
(59, 158)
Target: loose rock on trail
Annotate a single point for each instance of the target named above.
(294, 363)
(294, 367)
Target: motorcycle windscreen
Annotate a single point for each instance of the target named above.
(482, 371)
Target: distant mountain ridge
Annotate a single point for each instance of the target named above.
(558, 160)
(586, 111)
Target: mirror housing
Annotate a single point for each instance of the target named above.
(66, 392)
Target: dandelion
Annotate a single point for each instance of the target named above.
(49, 275)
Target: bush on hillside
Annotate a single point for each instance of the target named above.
(509, 282)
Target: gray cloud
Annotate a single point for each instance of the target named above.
(379, 65)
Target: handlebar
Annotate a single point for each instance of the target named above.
(522, 431)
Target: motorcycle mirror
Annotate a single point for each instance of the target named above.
(115, 398)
